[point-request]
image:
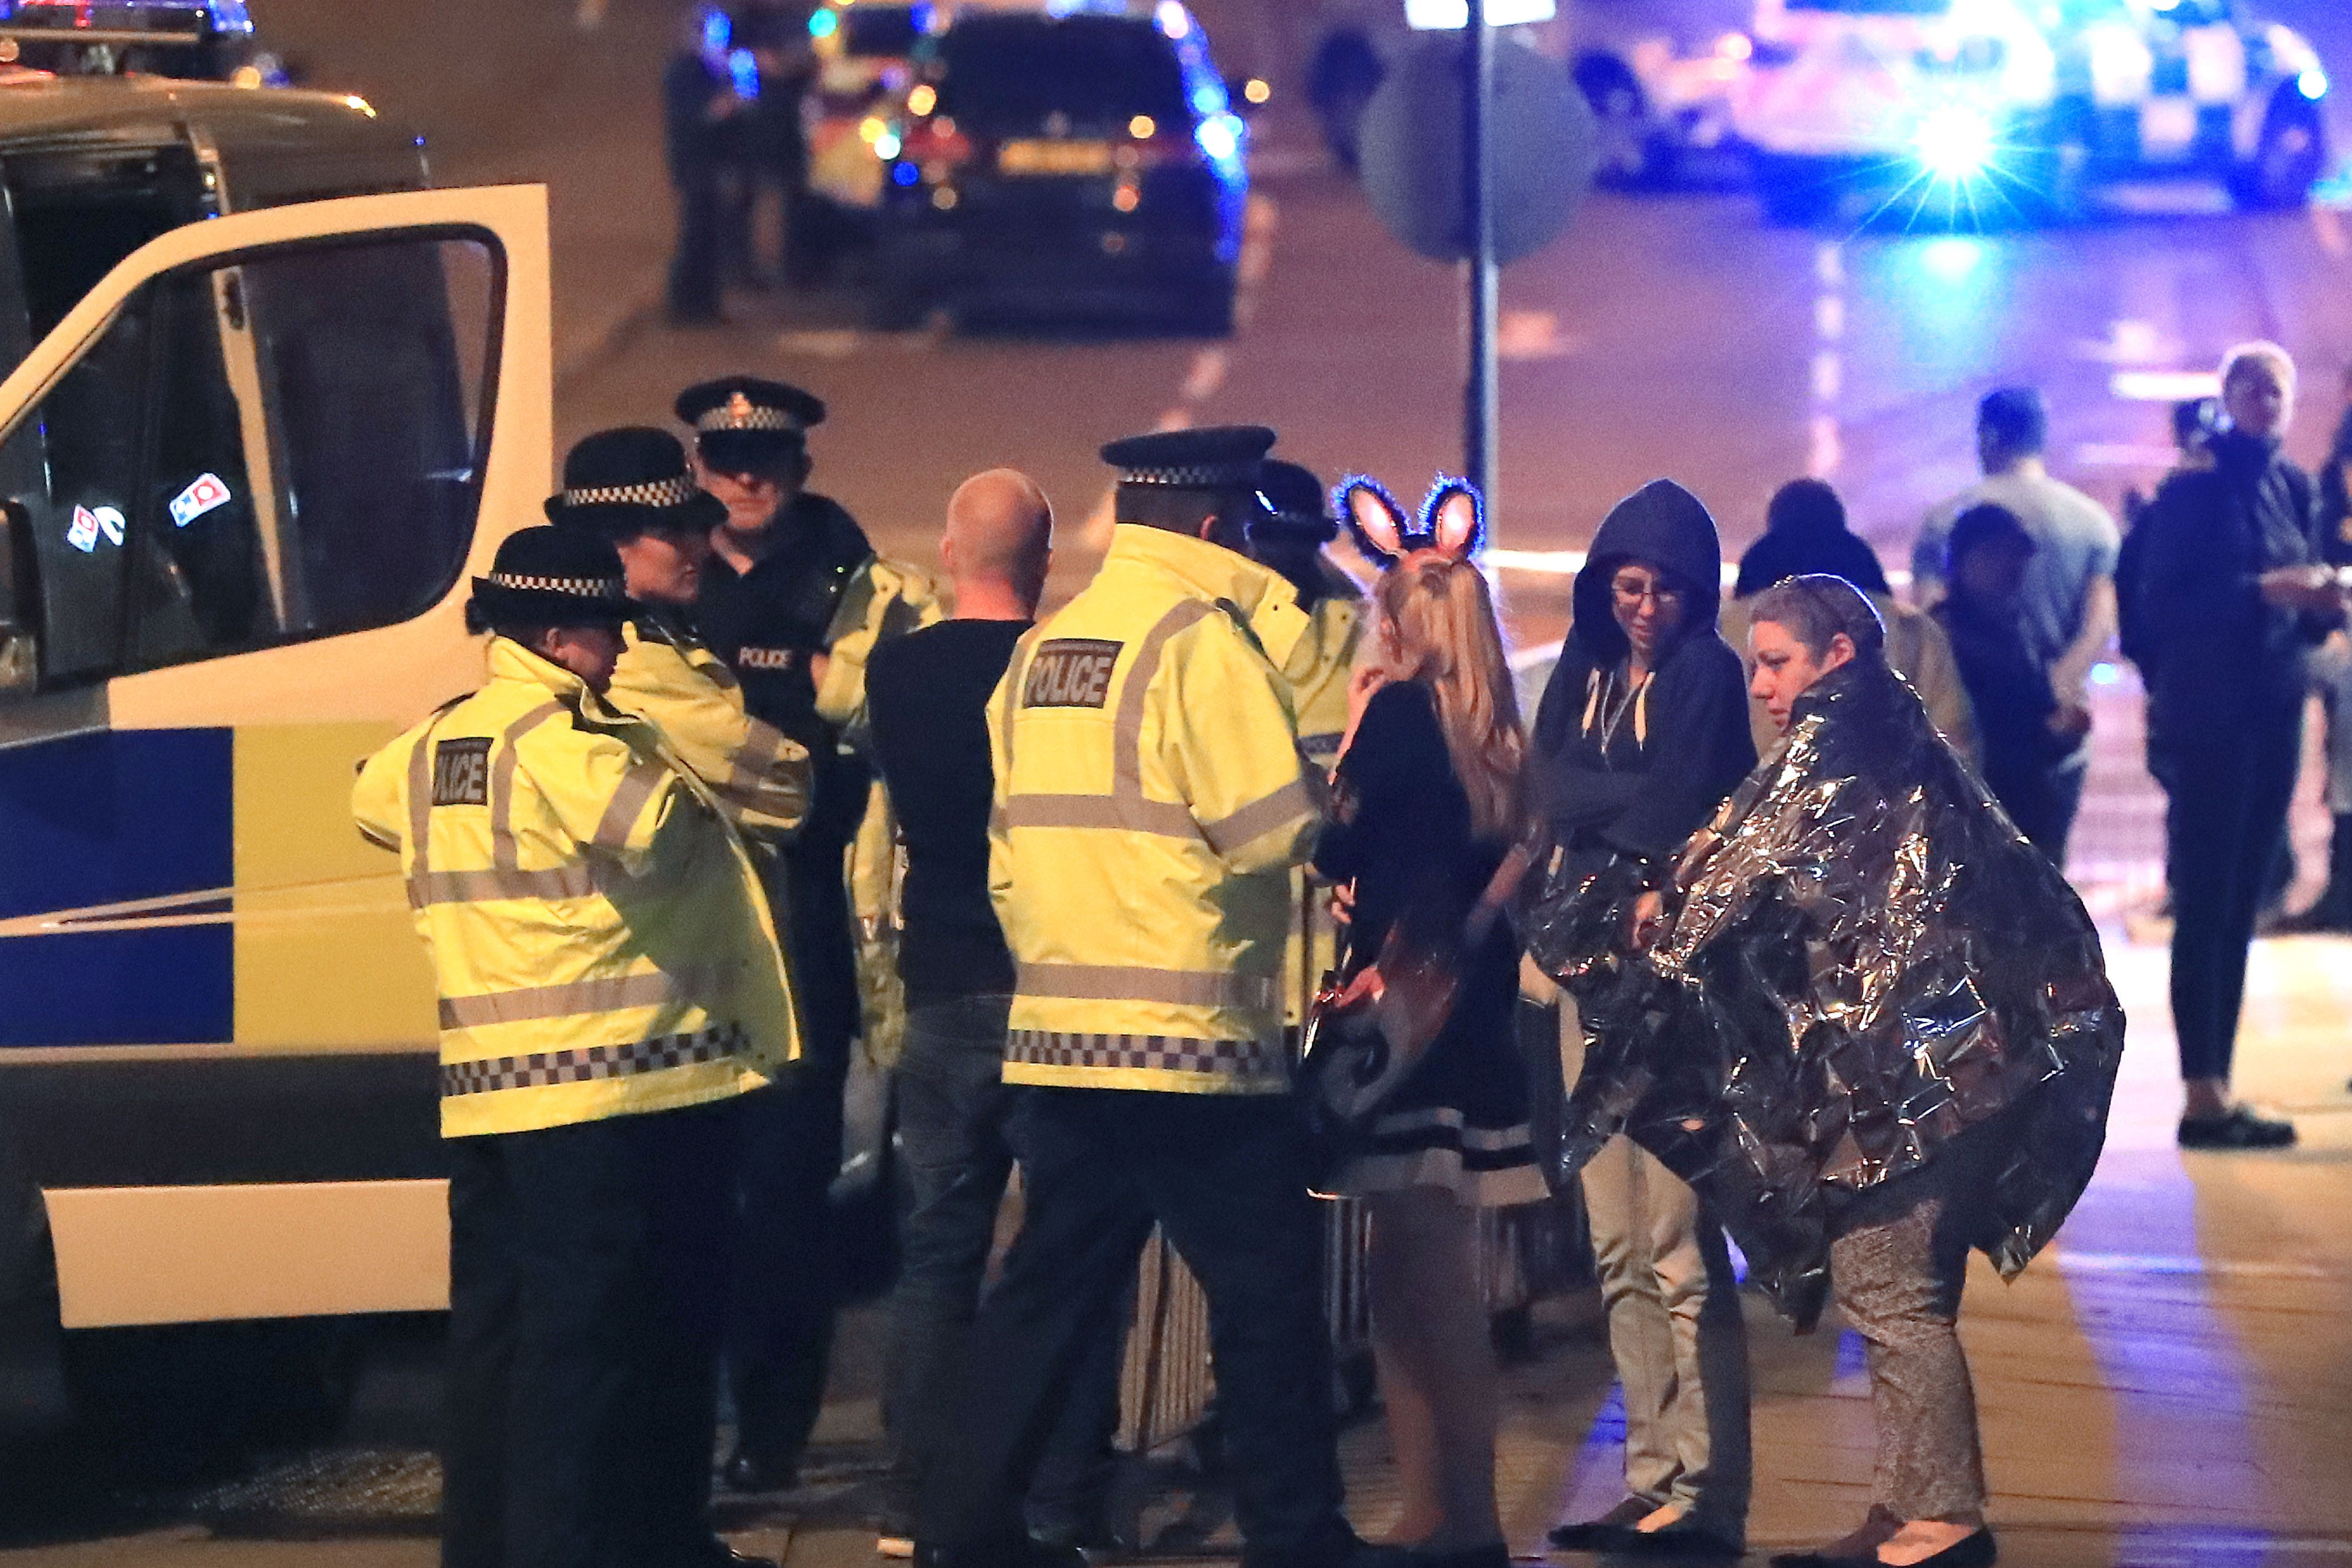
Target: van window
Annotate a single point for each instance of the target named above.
(264, 453)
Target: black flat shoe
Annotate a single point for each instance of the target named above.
(1977, 1550)
(755, 1473)
(1493, 1554)
(1679, 1541)
(2238, 1128)
(1607, 1533)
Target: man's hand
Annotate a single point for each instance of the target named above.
(1649, 920)
(818, 665)
(1343, 903)
(2301, 588)
(2072, 720)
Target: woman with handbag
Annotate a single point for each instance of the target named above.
(1642, 732)
(1428, 810)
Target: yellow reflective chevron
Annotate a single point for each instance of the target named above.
(1146, 821)
(596, 927)
(1318, 670)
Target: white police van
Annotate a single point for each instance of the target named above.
(1994, 109)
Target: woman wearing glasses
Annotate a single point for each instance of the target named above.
(1642, 732)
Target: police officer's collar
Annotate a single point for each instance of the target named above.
(809, 530)
(1260, 598)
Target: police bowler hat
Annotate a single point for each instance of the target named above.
(749, 425)
(620, 483)
(1298, 505)
(552, 576)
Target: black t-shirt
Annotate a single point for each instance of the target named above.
(927, 694)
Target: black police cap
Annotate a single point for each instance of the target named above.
(620, 483)
(552, 576)
(744, 421)
(1220, 457)
(1298, 505)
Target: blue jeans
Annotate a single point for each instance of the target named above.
(952, 1108)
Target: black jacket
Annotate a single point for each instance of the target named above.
(1683, 744)
(2221, 655)
(1797, 550)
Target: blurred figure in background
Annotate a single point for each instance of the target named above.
(2232, 590)
(772, 148)
(1805, 533)
(2027, 733)
(702, 113)
(2067, 608)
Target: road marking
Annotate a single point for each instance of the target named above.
(2164, 386)
(2131, 343)
(1829, 376)
(1207, 374)
(1825, 446)
(1531, 335)
(589, 16)
(1825, 442)
(1829, 318)
(2328, 225)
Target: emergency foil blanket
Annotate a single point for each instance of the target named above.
(1864, 961)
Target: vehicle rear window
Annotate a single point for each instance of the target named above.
(1007, 77)
(881, 32)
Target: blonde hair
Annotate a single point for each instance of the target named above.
(1445, 636)
(2243, 357)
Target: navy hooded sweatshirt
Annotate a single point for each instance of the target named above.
(1680, 743)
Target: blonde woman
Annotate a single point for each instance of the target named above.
(1429, 792)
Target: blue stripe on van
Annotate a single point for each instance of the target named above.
(102, 819)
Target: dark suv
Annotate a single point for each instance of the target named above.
(1073, 159)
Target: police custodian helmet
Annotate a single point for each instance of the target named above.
(742, 423)
(618, 484)
(552, 576)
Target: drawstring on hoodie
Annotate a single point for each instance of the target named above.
(1638, 699)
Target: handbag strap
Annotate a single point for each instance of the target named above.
(1499, 890)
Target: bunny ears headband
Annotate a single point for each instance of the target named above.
(1453, 521)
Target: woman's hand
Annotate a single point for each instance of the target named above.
(2311, 588)
(1343, 904)
(1648, 921)
(1369, 679)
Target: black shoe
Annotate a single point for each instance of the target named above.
(1020, 1552)
(1607, 1533)
(718, 1554)
(1977, 1550)
(749, 1472)
(1682, 1540)
(2237, 1128)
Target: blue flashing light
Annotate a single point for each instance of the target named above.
(2311, 84)
(904, 174)
(888, 145)
(1220, 136)
(1209, 98)
(823, 22)
(1174, 19)
(1955, 143)
(743, 72)
(718, 30)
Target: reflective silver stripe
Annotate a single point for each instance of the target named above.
(628, 802)
(1263, 815)
(1322, 748)
(420, 815)
(600, 996)
(1127, 730)
(1134, 816)
(483, 886)
(502, 840)
(752, 774)
(1118, 983)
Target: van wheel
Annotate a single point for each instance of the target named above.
(2287, 161)
(176, 1397)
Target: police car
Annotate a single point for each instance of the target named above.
(1078, 155)
(268, 402)
(193, 40)
(865, 63)
(1993, 108)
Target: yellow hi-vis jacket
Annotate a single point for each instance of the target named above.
(759, 774)
(597, 928)
(1319, 671)
(1150, 802)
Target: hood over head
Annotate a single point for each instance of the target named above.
(1665, 525)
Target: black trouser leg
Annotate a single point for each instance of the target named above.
(484, 1285)
(2228, 806)
(1227, 1179)
(1073, 1478)
(1084, 1225)
(694, 264)
(687, 1161)
(780, 1338)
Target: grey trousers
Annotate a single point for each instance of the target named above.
(1674, 1328)
(1900, 1262)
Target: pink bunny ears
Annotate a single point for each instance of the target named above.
(1453, 521)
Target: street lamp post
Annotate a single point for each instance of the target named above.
(1480, 404)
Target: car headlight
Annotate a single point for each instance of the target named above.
(1954, 142)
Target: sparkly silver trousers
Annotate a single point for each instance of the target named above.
(1898, 1263)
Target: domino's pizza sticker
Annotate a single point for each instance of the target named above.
(109, 523)
(204, 496)
(83, 533)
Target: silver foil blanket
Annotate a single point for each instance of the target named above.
(1864, 962)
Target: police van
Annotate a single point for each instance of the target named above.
(273, 400)
(2000, 108)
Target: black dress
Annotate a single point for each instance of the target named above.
(1403, 837)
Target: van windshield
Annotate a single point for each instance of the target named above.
(1009, 75)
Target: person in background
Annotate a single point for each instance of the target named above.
(927, 692)
(1643, 731)
(2336, 482)
(2028, 734)
(1430, 798)
(701, 115)
(2232, 586)
(1289, 540)
(2068, 610)
(2331, 672)
(795, 600)
(1805, 533)
(611, 991)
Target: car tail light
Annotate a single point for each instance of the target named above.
(936, 144)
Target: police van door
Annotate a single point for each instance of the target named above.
(246, 479)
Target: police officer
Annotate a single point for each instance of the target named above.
(610, 985)
(632, 489)
(794, 600)
(1289, 541)
(1150, 804)
(703, 117)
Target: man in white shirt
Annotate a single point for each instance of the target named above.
(2068, 612)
